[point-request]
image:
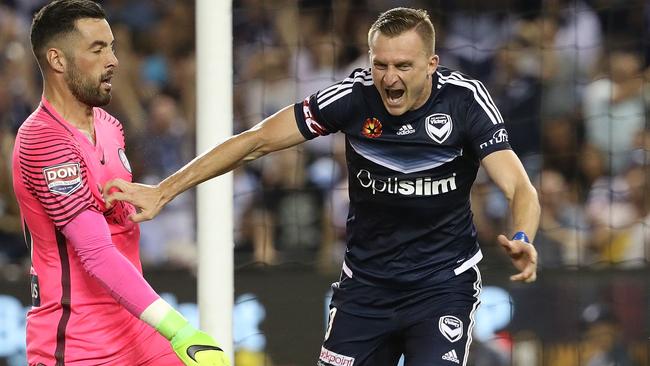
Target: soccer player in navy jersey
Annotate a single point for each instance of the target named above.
(416, 133)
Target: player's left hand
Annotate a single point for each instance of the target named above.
(197, 348)
(523, 257)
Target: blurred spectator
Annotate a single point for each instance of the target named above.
(517, 92)
(291, 211)
(635, 250)
(138, 15)
(474, 33)
(603, 343)
(163, 150)
(579, 34)
(562, 142)
(562, 76)
(592, 170)
(166, 146)
(127, 105)
(618, 209)
(17, 69)
(17, 95)
(12, 244)
(563, 229)
(267, 86)
(615, 108)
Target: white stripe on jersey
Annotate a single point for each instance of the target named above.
(339, 95)
(478, 285)
(480, 95)
(469, 263)
(324, 95)
(347, 270)
(458, 76)
(349, 80)
(479, 91)
(337, 91)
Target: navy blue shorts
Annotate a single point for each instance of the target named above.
(430, 326)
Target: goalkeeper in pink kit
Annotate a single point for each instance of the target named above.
(90, 302)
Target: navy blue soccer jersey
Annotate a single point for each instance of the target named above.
(409, 223)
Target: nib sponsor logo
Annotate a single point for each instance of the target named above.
(451, 356)
(407, 129)
(497, 138)
(329, 358)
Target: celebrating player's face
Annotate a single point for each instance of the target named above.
(92, 63)
(401, 67)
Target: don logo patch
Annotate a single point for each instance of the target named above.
(451, 327)
(63, 179)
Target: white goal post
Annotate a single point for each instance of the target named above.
(214, 198)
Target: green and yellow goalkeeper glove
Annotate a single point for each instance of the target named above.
(192, 346)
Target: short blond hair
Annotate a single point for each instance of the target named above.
(396, 21)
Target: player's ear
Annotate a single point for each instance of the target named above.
(56, 59)
(432, 65)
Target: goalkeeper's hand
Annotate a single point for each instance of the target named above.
(197, 348)
(192, 346)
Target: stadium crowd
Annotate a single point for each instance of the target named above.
(570, 78)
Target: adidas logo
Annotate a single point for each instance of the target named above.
(406, 129)
(451, 356)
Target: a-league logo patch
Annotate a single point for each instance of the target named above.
(439, 127)
(63, 179)
(372, 128)
(451, 327)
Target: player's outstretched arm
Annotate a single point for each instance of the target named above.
(277, 132)
(509, 175)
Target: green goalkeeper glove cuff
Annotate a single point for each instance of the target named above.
(192, 346)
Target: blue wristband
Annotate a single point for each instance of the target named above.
(520, 235)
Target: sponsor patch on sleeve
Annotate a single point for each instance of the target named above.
(63, 179)
(500, 136)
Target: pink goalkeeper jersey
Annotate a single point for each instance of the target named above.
(57, 173)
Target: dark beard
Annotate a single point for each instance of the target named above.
(84, 89)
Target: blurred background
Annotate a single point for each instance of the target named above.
(571, 79)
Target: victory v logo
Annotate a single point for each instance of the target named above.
(439, 127)
(451, 327)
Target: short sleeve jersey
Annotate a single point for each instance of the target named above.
(409, 223)
(57, 173)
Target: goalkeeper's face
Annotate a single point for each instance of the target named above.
(91, 62)
(402, 69)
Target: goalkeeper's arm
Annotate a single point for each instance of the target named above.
(90, 237)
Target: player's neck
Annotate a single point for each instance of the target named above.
(74, 112)
(424, 97)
